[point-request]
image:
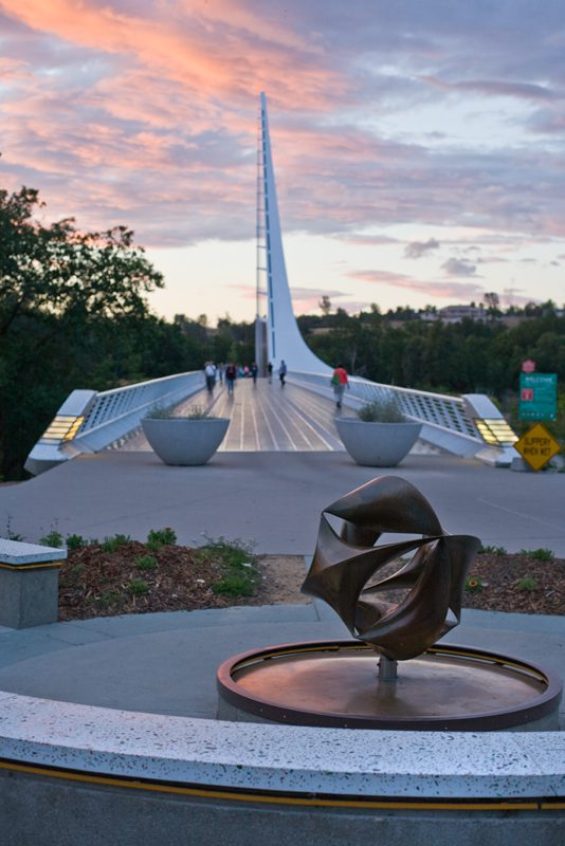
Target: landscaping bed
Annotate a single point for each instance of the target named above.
(121, 576)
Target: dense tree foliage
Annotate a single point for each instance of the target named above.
(72, 314)
(465, 357)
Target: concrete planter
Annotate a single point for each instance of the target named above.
(377, 444)
(178, 440)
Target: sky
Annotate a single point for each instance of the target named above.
(418, 146)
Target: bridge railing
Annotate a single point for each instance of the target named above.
(467, 425)
(89, 421)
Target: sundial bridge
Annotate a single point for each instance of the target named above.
(263, 419)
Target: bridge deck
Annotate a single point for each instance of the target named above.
(265, 418)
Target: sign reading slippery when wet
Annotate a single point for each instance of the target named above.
(537, 446)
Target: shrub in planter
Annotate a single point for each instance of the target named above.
(189, 440)
(380, 436)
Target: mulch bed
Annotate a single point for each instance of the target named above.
(134, 579)
(96, 583)
(518, 583)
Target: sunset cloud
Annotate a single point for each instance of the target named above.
(383, 123)
(417, 249)
(498, 88)
(444, 290)
(459, 267)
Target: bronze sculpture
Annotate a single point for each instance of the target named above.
(398, 609)
(343, 572)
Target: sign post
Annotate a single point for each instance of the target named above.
(538, 396)
(537, 446)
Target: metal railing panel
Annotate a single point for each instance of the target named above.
(103, 418)
(448, 421)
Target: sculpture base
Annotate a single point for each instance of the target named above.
(336, 683)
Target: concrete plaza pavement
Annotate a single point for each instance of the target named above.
(274, 499)
(166, 663)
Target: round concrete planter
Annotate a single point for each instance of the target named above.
(377, 444)
(178, 440)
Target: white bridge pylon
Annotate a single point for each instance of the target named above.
(274, 303)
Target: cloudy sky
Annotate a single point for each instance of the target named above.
(418, 145)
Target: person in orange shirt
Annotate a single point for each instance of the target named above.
(339, 381)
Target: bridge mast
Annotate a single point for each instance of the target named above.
(283, 338)
(261, 348)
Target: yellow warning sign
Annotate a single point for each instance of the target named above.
(537, 446)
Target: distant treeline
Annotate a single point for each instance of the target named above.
(49, 355)
(466, 357)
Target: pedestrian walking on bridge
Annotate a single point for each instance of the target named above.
(340, 381)
(231, 375)
(282, 372)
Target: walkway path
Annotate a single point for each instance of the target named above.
(265, 417)
(274, 498)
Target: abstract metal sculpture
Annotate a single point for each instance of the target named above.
(343, 572)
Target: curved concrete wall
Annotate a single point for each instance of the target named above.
(74, 773)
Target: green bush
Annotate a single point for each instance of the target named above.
(108, 599)
(52, 538)
(76, 541)
(113, 543)
(195, 412)
(146, 562)
(235, 584)
(161, 537)
(541, 554)
(138, 587)
(381, 411)
(527, 584)
(160, 412)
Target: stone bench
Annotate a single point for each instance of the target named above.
(29, 583)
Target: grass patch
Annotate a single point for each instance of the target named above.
(108, 599)
(76, 541)
(527, 584)
(146, 562)
(541, 554)
(114, 543)
(161, 537)
(138, 587)
(52, 538)
(238, 566)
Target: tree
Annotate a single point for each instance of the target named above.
(60, 288)
(58, 269)
(492, 302)
(325, 305)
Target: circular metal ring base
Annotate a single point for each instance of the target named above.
(335, 683)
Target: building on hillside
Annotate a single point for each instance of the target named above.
(458, 313)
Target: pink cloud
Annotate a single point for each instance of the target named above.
(445, 290)
(184, 46)
(146, 113)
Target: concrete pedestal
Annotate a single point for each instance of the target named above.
(29, 584)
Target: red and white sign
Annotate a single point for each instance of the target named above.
(528, 366)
